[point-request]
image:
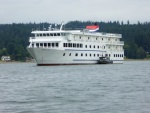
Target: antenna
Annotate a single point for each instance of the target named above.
(61, 26)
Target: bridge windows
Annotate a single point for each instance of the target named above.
(48, 34)
(45, 45)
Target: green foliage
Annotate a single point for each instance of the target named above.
(14, 37)
(141, 53)
(148, 57)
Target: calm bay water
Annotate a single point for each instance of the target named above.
(112, 88)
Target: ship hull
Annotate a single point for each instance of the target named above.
(46, 56)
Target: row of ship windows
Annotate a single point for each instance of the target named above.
(80, 45)
(63, 34)
(73, 45)
(118, 55)
(96, 38)
(50, 34)
(94, 46)
(87, 38)
(45, 44)
(77, 54)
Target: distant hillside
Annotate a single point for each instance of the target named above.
(14, 37)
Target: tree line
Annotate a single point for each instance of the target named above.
(14, 37)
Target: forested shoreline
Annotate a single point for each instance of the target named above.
(14, 37)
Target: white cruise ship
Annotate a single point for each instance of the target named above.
(67, 47)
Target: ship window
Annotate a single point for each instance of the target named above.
(65, 44)
(47, 34)
(37, 44)
(98, 47)
(77, 45)
(114, 55)
(80, 37)
(52, 44)
(45, 44)
(76, 54)
(55, 34)
(102, 38)
(56, 44)
(70, 44)
(96, 38)
(40, 34)
(94, 55)
(81, 54)
(88, 38)
(44, 34)
(41, 44)
(90, 46)
(118, 55)
(69, 54)
(58, 34)
(90, 55)
(104, 47)
(94, 46)
(85, 46)
(64, 54)
(51, 34)
(98, 55)
(122, 55)
(37, 34)
(86, 54)
(81, 45)
(73, 45)
(49, 44)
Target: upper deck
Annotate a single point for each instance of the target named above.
(73, 32)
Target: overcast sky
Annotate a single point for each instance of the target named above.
(56, 11)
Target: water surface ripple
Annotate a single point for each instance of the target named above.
(113, 88)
